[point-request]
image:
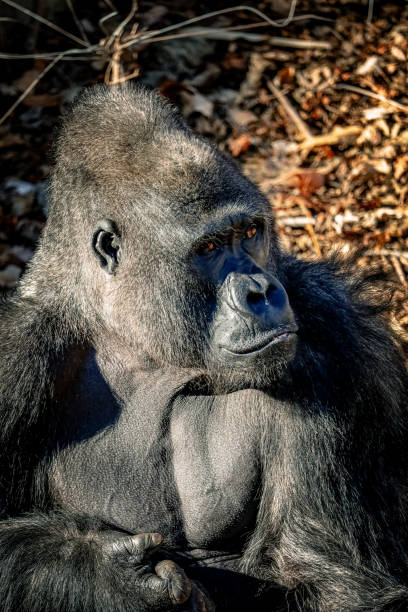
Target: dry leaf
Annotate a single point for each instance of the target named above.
(369, 66)
(11, 140)
(26, 79)
(239, 145)
(242, 117)
(400, 166)
(42, 100)
(309, 182)
(370, 135)
(398, 54)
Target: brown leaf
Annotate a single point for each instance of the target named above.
(286, 75)
(242, 117)
(239, 145)
(171, 89)
(233, 61)
(26, 79)
(400, 166)
(42, 100)
(11, 140)
(309, 182)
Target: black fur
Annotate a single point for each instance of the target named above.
(279, 483)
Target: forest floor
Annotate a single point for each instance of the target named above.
(315, 112)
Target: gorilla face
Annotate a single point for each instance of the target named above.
(253, 320)
(212, 301)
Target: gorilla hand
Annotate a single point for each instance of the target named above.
(160, 588)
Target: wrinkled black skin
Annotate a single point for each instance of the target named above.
(247, 405)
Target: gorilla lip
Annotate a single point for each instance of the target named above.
(281, 335)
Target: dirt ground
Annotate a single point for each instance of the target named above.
(315, 111)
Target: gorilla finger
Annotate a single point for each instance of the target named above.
(134, 546)
(145, 542)
(159, 592)
(178, 584)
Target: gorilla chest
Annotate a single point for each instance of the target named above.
(188, 470)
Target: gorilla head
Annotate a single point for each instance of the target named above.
(173, 248)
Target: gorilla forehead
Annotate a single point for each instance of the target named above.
(134, 148)
(130, 134)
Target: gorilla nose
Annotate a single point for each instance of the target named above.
(258, 295)
(260, 289)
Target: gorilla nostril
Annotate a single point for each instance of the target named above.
(269, 293)
(255, 298)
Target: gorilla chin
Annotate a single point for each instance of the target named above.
(258, 367)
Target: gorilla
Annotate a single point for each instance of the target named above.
(192, 419)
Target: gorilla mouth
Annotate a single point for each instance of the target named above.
(268, 340)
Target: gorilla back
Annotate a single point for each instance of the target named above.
(166, 369)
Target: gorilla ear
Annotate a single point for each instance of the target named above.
(106, 244)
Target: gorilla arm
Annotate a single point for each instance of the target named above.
(332, 518)
(51, 561)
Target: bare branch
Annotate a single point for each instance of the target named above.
(232, 9)
(30, 88)
(336, 135)
(44, 21)
(370, 11)
(371, 94)
(234, 33)
(118, 31)
(291, 112)
(77, 22)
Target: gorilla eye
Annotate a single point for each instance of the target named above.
(207, 247)
(251, 231)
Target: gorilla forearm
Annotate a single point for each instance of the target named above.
(50, 563)
(328, 571)
(32, 380)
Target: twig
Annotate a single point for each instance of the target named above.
(332, 138)
(309, 226)
(398, 270)
(215, 34)
(114, 73)
(11, 19)
(44, 21)
(49, 56)
(155, 36)
(296, 222)
(101, 22)
(110, 5)
(296, 43)
(370, 11)
(371, 94)
(233, 33)
(231, 9)
(386, 253)
(30, 88)
(291, 112)
(117, 33)
(77, 22)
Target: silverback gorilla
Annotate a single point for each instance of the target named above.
(192, 419)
